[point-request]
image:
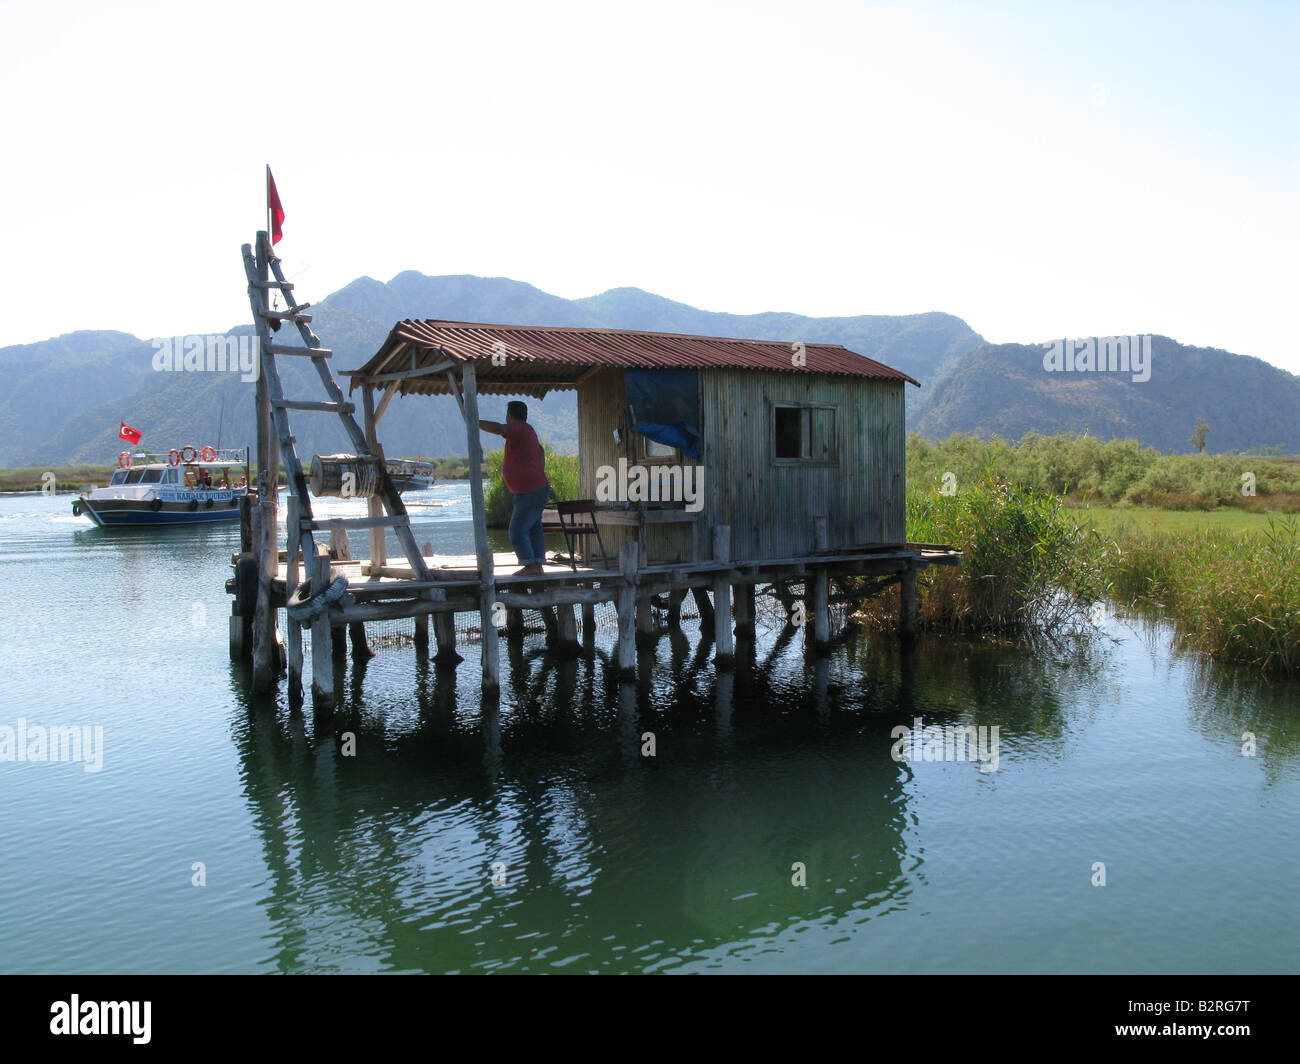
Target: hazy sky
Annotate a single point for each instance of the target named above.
(1038, 169)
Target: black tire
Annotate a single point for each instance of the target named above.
(208, 505)
(156, 505)
(246, 584)
(76, 509)
(194, 505)
(303, 605)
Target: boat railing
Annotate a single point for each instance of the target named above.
(222, 455)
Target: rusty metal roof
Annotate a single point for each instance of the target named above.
(535, 360)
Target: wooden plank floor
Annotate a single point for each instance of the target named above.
(462, 569)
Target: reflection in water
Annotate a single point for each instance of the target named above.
(1124, 751)
(534, 834)
(1230, 704)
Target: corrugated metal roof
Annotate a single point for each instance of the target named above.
(538, 359)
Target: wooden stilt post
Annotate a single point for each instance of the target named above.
(487, 578)
(821, 611)
(422, 636)
(588, 622)
(322, 638)
(645, 617)
(294, 651)
(627, 558)
(675, 597)
(422, 621)
(705, 607)
(744, 606)
(907, 604)
(514, 624)
(360, 648)
(265, 645)
(374, 505)
(566, 628)
(724, 646)
(444, 633)
(821, 627)
(341, 550)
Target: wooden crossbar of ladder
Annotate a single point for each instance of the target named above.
(265, 275)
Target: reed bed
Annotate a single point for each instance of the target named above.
(1231, 595)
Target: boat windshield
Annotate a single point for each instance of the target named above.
(151, 476)
(119, 477)
(220, 478)
(133, 477)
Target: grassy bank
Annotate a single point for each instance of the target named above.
(1229, 580)
(1127, 520)
(1116, 472)
(72, 478)
(66, 478)
(1235, 595)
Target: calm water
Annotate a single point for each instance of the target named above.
(605, 860)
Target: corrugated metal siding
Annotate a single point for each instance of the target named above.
(601, 399)
(769, 507)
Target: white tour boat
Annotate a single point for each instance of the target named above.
(192, 486)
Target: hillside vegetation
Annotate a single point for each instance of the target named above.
(65, 397)
(1084, 468)
(1004, 390)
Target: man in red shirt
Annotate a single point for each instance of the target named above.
(524, 471)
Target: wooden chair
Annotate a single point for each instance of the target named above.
(574, 528)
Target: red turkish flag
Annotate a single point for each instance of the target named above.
(274, 207)
(126, 432)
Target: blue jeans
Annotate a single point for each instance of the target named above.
(526, 526)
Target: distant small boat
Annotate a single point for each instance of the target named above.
(192, 486)
(409, 474)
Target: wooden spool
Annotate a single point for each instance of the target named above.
(329, 470)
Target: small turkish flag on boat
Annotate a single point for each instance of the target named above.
(126, 432)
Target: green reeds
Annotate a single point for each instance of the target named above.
(1234, 596)
(1026, 565)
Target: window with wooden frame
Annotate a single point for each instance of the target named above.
(803, 434)
(646, 451)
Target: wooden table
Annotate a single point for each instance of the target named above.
(640, 517)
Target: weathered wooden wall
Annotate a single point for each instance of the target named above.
(770, 507)
(602, 408)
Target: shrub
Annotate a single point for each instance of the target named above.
(1026, 563)
(561, 471)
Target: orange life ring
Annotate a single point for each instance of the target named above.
(124, 460)
(188, 449)
(173, 457)
(208, 454)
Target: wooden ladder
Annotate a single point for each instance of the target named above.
(265, 275)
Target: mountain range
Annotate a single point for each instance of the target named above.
(64, 397)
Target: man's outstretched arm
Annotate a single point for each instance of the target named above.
(492, 426)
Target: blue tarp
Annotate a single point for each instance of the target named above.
(664, 404)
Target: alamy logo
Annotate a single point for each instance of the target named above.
(58, 742)
(956, 742)
(1105, 354)
(102, 1017)
(216, 353)
(656, 483)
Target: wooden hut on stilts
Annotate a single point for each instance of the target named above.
(711, 466)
